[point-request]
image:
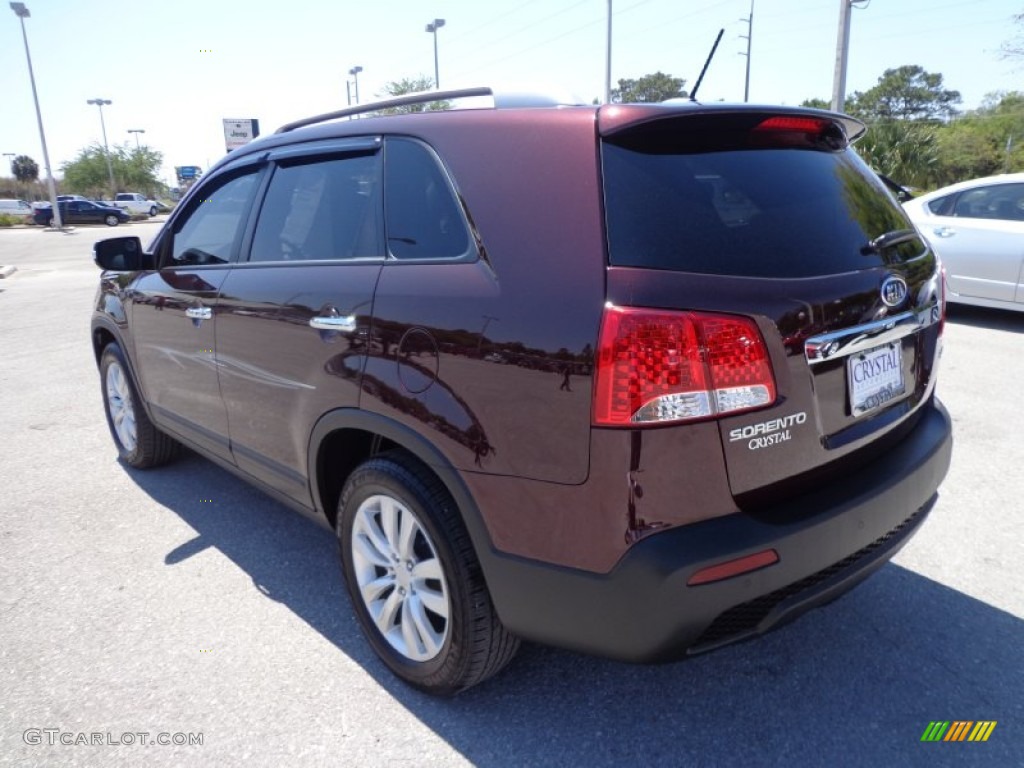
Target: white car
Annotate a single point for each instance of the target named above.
(977, 229)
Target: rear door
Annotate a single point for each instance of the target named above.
(771, 216)
(295, 314)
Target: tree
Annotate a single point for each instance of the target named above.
(407, 85)
(135, 170)
(905, 93)
(816, 104)
(25, 168)
(905, 151)
(649, 89)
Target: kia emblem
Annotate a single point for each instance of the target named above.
(894, 290)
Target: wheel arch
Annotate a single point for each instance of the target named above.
(104, 331)
(344, 438)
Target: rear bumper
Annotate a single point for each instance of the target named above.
(827, 542)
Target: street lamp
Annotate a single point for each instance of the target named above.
(355, 74)
(432, 28)
(22, 13)
(11, 155)
(136, 131)
(106, 150)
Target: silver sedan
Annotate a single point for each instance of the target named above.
(977, 229)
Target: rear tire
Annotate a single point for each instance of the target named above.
(139, 443)
(414, 579)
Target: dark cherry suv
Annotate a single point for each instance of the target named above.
(636, 380)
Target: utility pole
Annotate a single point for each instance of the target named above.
(842, 49)
(608, 59)
(749, 38)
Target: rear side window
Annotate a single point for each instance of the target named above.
(321, 209)
(1003, 202)
(759, 212)
(424, 218)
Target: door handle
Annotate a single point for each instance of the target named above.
(944, 231)
(199, 313)
(346, 324)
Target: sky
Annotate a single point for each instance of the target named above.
(177, 69)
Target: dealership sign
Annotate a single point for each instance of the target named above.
(240, 132)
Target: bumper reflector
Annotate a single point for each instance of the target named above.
(734, 567)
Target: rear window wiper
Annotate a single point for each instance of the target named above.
(888, 240)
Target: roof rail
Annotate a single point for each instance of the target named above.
(505, 100)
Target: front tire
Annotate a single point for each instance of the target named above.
(139, 443)
(112, 220)
(414, 579)
(152, 211)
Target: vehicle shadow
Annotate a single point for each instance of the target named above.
(853, 684)
(983, 317)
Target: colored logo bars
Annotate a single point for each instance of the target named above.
(959, 730)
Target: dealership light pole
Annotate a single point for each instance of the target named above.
(10, 155)
(106, 150)
(22, 13)
(136, 131)
(355, 76)
(432, 28)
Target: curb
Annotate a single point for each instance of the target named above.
(7, 272)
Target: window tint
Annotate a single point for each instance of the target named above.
(321, 209)
(999, 201)
(424, 220)
(759, 212)
(210, 231)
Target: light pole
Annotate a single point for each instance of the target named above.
(106, 150)
(432, 28)
(355, 75)
(10, 155)
(136, 131)
(22, 13)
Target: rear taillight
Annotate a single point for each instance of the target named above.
(942, 294)
(656, 366)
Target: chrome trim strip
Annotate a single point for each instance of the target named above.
(849, 341)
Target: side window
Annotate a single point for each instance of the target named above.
(1004, 202)
(424, 220)
(211, 229)
(321, 209)
(942, 206)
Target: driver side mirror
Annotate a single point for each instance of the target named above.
(122, 254)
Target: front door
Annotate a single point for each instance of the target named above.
(174, 312)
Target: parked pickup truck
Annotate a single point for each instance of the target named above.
(134, 202)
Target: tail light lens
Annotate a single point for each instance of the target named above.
(942, 294)
(656, 367)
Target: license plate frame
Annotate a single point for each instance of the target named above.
(875, 377)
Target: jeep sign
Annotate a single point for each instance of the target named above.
(240, 132)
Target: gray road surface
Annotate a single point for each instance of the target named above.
(181, 601)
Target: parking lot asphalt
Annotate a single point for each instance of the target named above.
(183, 602)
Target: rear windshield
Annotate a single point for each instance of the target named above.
(759, 212)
